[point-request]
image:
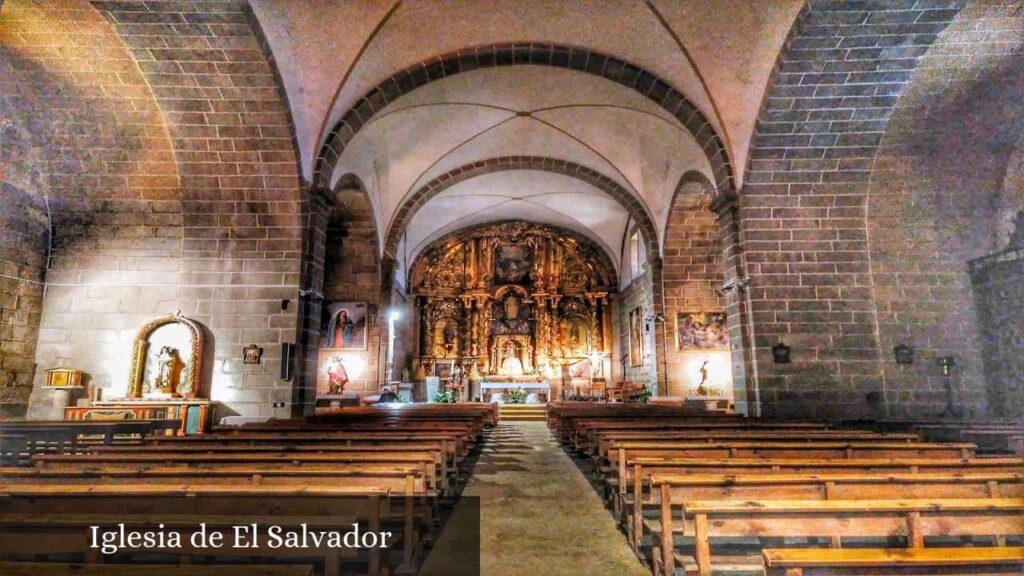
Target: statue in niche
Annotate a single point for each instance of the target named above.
(513, 317)
(447, 338)
(511, 364)
(168, 373)
(577, 335)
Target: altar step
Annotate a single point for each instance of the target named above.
(522, 412)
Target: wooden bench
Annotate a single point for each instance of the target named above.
(914, 520)
(639, 469)
(619, 453)
(62, 569)
(606, 439)
(1008, 561)
(397, 479)
(667, 489)
(426, 462)
(335, 506)
(584, 431)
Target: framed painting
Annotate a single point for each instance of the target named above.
(513, 263)
(701, 331)
(443, 369)
(636, 336)
(346, 326)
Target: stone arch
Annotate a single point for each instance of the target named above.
(538, 54)
(422, 195)
(694, 269)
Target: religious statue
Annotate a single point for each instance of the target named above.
(701, 388)
(511, 364)
(169, 367)
(512, 319)
(337, 376)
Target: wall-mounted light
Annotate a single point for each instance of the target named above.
(904, 354)
(394, 315)
(781, 353)
(946, 363)
(953, 410)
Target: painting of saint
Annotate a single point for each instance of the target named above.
(513, 263)
(636, 337)
(346, 326)
(701, 331)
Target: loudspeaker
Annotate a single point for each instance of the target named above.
(287, 361)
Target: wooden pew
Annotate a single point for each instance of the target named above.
(396, 479)
(835, 520)
(619, 453)
(667, 489)
(606, 439)
(446, 473)
(639, 469)
(1008, 561)
(39, 509)
(62, 569)
(584, 431)
(21, 439)
(426, 462)
(448, 446)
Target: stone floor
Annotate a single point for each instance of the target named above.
(539, 514)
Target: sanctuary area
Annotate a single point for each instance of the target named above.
(671, 287)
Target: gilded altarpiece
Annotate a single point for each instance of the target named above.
(513, 299)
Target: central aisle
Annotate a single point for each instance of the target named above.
(539, 515)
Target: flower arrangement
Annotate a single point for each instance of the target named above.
(445, 397)
(517, 396)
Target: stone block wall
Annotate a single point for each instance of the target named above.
(23, 250)
(805, 204)
(173, 183)
(999, 290)
(640, 294)
(933, 202)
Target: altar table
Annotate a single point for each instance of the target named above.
(488, 387)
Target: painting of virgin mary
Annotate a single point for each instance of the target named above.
(346, 326)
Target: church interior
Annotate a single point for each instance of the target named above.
(670, 287)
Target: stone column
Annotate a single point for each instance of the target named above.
(737, 305)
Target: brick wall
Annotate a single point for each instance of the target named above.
(173, 182)
(692, 271)
(805, 202)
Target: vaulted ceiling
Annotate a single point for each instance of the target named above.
(717, 53)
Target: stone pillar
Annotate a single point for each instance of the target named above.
(737, 305)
